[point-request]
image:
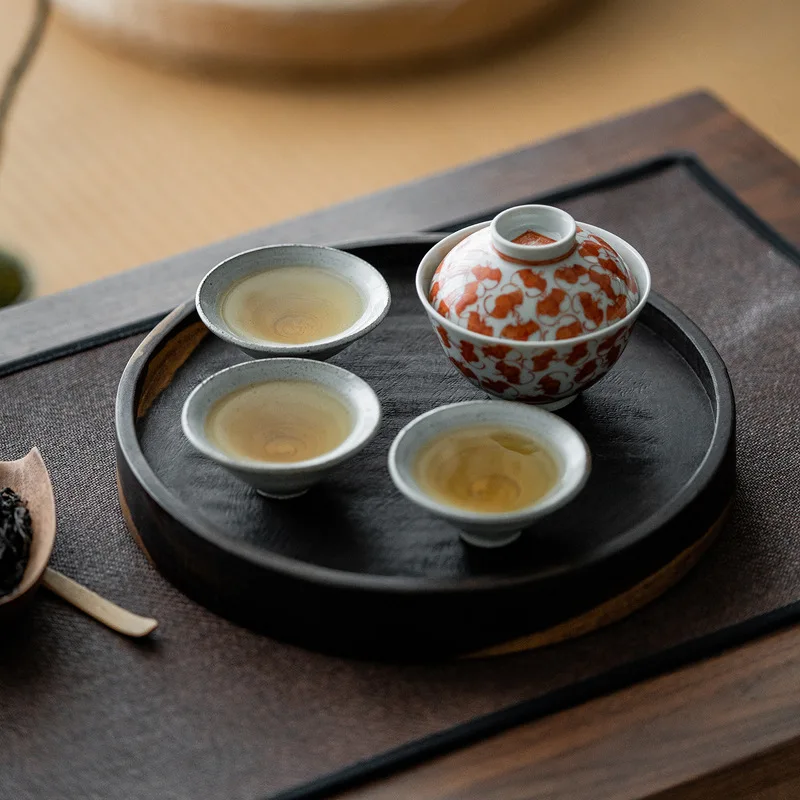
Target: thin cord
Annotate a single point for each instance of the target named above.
(23, 62)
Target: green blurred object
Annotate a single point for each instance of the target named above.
(14, 281)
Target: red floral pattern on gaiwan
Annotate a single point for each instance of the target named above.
(488, 292)
(533, 312)
(546, 377)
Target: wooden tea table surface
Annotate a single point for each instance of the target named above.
(728, 727)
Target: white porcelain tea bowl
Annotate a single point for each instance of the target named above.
(496, 529)
(546, 372)
(363, 277)
(283, 480)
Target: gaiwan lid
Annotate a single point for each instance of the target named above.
(533, 274)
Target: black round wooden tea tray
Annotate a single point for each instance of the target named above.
(352, 567)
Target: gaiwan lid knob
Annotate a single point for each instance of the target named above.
(534, 233)
(533, 274)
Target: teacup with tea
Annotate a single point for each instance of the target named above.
(491, 468)
(304, 301)
(281, 424)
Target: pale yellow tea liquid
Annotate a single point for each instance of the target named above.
(486, 468)
(291, 305)
(279, 422)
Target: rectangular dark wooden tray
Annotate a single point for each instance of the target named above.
(660, 726)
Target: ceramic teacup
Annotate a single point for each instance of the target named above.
(283, 480)
(364, 278)
(566, 446)
(546, 373)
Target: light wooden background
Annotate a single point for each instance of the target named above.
(111, 163)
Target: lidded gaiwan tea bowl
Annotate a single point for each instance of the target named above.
(533, 306)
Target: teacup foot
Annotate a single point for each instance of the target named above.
(281, 496)
(476, 540)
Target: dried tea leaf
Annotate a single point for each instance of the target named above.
(15, 540)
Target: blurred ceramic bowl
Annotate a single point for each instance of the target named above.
(302, 34)
(547, 373)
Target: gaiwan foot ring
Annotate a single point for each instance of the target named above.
(553, 405)
(557, 404)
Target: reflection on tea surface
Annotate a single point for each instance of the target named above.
(291, 305)
(488, 468)
(279, 421)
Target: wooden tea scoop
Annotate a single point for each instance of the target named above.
(29, 478)
(110, 614)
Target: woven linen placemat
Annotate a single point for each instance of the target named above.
(210, 710)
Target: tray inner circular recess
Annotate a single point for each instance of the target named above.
(636, 422)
